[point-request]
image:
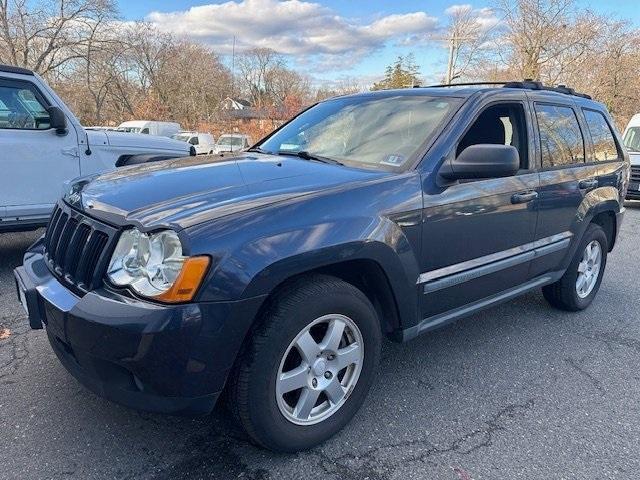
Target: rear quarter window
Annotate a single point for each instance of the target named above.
(604, 144)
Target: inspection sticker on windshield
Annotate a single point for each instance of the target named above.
(393, 160)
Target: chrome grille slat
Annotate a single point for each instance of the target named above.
(635, 174)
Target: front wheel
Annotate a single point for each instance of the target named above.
(580, 283)
(309, 365)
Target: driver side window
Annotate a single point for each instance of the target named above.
(20, 109)
(502, 124)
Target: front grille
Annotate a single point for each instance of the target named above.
(635, 174)
(77, 248)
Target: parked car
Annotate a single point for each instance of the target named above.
(147, 127)
(273, 275)
(43, 146)
(632, 142)
(204, 143)
(232, 142)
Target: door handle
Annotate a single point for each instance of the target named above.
(588, 184)
(524, 197)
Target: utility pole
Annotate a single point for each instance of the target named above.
(233, 68)
(455, 41)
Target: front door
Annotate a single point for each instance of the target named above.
(477, 235)
(34, 161)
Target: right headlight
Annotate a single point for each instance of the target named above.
(153, 265)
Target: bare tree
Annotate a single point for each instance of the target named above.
(255, 67)
(545, 38)
(467, 34)
(44, 36)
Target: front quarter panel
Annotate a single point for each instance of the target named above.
(256, 251)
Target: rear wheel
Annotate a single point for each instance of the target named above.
(309, 365)
(580, 283)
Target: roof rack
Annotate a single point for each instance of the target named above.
(12, 69)
(527, 84)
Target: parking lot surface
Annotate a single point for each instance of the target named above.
(518, 391)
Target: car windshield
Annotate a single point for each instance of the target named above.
(379, 132)
(182, 137)
(632, 139)
(130, 129)
(230, 141)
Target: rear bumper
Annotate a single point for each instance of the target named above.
(172, 359)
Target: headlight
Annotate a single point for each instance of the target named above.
(153, 266)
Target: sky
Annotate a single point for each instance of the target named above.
(328, 40)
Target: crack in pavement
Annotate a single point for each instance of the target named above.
(370, 465)
(613, 338)
(13, 350)
(212, 455)
(582, 371)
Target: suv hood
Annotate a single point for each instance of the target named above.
(185, 192)
(634, 157)
(138, 140)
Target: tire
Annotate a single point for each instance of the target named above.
(564, 294)
(268, 417)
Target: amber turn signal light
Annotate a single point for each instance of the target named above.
(188, 281)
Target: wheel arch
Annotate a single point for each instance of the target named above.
(382, 280)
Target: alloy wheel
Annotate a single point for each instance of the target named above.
(589, 269)
(319, 369)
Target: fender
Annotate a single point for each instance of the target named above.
(260, 265)
(595, 202)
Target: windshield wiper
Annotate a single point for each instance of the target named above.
(259, 150)
(308, 156)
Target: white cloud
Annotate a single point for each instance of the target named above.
(292, 27)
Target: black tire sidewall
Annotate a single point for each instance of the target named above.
(269, 425)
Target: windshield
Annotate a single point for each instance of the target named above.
(181, 136)
(230, 141)
(130, 129)
(379, 132)
(632, 139)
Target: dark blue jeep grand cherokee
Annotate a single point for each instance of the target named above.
(274, 275)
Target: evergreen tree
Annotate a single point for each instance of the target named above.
(402, 73)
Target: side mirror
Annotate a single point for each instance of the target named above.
(482, 161)
(57, 120)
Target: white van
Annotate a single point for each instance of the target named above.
(632, 142)
(43, 146)
(204, 143)
(149, 127)
(232, 142)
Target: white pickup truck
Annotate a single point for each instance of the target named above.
(43, 146)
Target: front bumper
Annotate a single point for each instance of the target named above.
(172, 359)
(633, 195)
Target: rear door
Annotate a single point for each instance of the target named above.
(565, 178)
(34, 161)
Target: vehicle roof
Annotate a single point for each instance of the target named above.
(635, 121)
(467, 91)
(13, 69)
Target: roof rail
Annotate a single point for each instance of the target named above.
(13, 69)
(527, 84)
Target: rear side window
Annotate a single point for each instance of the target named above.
(561, 140)
(604, 145)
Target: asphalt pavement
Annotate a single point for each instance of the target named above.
(518, 391)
